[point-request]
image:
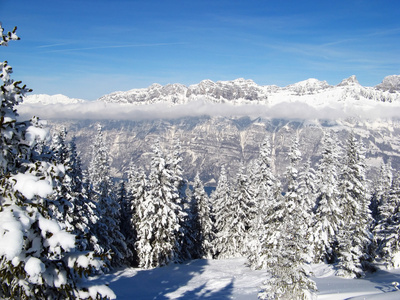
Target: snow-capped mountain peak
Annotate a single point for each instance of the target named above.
(351, 81)
(309, 86)
(50, 99)
(390, 83)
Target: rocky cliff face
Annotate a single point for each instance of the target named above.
(210, 142)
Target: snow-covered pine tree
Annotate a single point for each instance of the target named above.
(354, 236)
(175, 163)
(125, 209)
(59, 202)
(380, 192)
(74, 164)
(307, 186)
(83, 215)
(12, 149)
(220, 199)
(38, 258)
(107, 228)
(245, 212)
(203, 224)
(227, 213)
(327, 213)
(184, 204)
(69, 205)
(267, 191)
(188, 234)
(59, 145)
(157, 224)
(307, 192)
(387, 229)
(264, 183)
(137, 192)
(287, 242)
(125, 223)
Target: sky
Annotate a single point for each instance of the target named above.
(88, 48)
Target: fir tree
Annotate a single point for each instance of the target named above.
(267, 192)
(306, 190)
(354, 236)
(188, 236)
(307, 186)
(220, 199)
(74, 165)
(264, 183)
(327, 213)
(287, 242)
(246, 210)
(83, 215)
(203, 224)
(107, 228)
(175, 161)
(38, 258)
(60, 204)
(228, 225)
(158, 225)
(59, 146)
(125, 224)
(137, 192)
(387, 229)
(183, 204)
(381, 190)
(122, 196)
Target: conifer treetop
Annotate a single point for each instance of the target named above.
(10, 36)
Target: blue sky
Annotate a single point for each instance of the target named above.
(85, 49)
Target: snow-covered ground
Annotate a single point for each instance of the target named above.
(232, 279)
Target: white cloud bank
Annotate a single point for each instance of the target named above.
(95, 110)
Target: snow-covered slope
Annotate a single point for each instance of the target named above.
(241, 91)
(232, 279)
(348, 93)
(50, 99)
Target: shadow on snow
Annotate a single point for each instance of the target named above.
(385, 281)
(375, 285)
(175, 281)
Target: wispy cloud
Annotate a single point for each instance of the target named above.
(385, 32)
(117, 46)
(53, 45)
(339, 42)
(357, 53)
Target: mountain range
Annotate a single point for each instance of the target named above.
(234, 118)
(240, 91)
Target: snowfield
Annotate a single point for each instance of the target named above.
(232, 279)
